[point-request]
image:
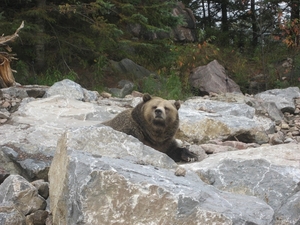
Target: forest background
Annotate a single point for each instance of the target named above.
(77, 39)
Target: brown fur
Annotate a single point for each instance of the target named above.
(154, 122)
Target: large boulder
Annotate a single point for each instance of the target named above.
(269, 173)
(129, 68)
(212, 78)
(283, 98)
(88, 188)
(203, 120)
(32, 134)
(187, 31)
(71, 90)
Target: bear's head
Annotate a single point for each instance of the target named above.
(160, 112)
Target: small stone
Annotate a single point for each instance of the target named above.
(6, 104)
(288, 140)
(285, 126)
(3, 120)
(276, 138)
(180, 172)
(18, 100)
(295, 133)
(105, 94)
(297, 111)
(137, 94)
(37, 218)
(42, 187)
(293, 129)
(4, 114)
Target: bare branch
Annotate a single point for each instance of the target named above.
(5, 39)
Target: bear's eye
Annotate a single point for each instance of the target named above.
(154, 107)
(167, 109)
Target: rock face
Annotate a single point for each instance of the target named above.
(117, 191)
(248, 169)
(186, 32)
(212, 78)
(271, 174)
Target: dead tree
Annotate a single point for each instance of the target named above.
(6, 76)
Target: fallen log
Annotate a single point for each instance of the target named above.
(6, 76)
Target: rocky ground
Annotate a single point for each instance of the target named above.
(248, 169)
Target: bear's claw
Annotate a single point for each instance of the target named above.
(188, 156)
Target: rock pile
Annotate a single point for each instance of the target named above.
(248, 169)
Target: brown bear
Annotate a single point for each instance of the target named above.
(154, 122)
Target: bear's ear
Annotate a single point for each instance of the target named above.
(146, 97)
(177, 104)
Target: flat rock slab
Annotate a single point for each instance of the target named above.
(271, 173)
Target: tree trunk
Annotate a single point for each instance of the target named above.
(40, 44)
(295, 9)
(224, 5)
(6, 76)
(204, 14)
(209, 14)
(295, 12)
(254, 25)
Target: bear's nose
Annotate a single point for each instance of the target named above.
(158, 112)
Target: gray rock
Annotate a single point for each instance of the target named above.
(37, 218)
(22, 194)
(4, 114)
(289, 212)
(35, 91)
(7, 164)
(203, 120)
(223, 108)
(87, 189)
(186, 32)
(212, 78)
(67, 88)
(38, 124)
(90, 96)
(270, 173)
(9, 215)
(267, 108)
(36, 169)
(128, 67)
(71, 90)
(104, 141)
(283, 98)
(126, 87)
(42, 187)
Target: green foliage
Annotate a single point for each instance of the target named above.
(53, 75)
(23, 75)
(168, 87)
(83, 36)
